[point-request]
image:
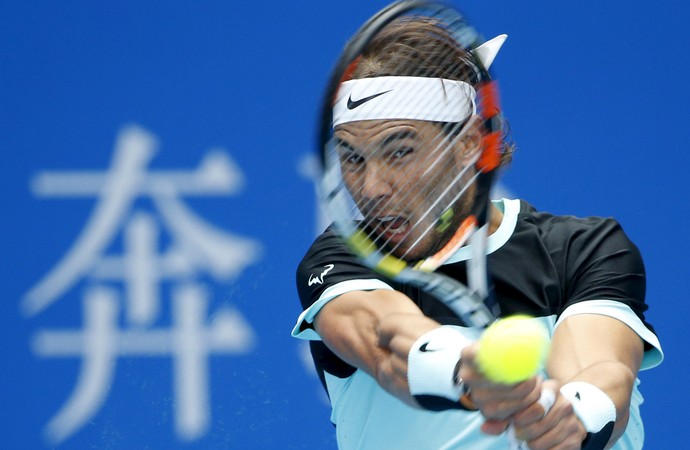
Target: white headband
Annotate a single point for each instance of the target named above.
(415, 98)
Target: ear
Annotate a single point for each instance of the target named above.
(469, 142)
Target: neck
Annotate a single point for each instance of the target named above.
(495, 218)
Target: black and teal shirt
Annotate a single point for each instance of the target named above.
(544, 265)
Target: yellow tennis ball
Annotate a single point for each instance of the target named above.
(512, 349)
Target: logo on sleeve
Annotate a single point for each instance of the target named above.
(319, 279)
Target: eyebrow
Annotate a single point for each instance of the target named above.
(398, 136)
(345, 146)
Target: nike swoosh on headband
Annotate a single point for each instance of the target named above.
(352, 104)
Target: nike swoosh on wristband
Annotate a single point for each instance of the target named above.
(423, 348)
(352, 104)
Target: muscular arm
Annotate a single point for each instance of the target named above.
(374, 331)
(590, 348)
(602, 351)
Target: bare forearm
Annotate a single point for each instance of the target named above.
(374, 331)
(600, 351)
(616, 380)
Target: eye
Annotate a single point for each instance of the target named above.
(351, 160)
(349, 157)
(400, 145)
(401, 152)
(354, 159)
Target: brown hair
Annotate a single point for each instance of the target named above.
(422, 47)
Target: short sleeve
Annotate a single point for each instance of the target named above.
(601, 263)
(329, 269)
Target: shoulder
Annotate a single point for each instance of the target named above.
(562, 224)
(572, 236)
(593, 256)
(327, 263)
(326, 249)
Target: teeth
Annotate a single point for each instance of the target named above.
(394, 224)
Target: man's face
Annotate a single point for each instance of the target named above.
(409, 181)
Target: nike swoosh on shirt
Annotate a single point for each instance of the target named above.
(352, 104)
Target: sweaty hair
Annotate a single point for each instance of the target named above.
(422, 47)
(418, 47)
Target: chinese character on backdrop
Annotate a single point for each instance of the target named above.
(165, 244)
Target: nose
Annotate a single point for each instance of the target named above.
(377, 182)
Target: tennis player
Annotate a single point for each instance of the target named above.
(582, 277)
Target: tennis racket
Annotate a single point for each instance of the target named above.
(410, 135)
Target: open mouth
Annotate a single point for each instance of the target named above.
(392, 228)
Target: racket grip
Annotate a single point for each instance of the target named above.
(547, 399)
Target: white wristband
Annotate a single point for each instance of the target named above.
(431, 363)
(591, 405)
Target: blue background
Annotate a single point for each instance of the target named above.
(596, 94)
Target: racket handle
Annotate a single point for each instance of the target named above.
(547, 399)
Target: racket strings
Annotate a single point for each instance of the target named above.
(455, 198)
(425, 200)
(439, 147)
(382, 218)
(442, 202)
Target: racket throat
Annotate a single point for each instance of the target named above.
(477, 273)
(460, 237)
(445, 221)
